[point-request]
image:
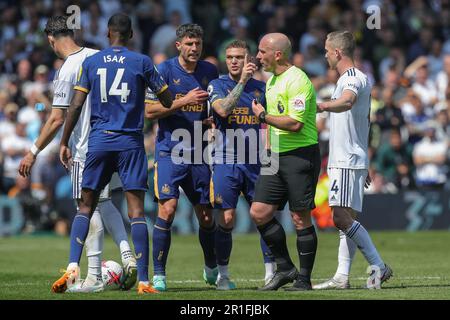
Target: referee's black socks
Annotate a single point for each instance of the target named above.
(306, 247)
(273, 234)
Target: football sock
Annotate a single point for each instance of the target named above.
(270, 268)
(306, 247)
(274, 236)
(78, 234)
(113, 221)
(139, 234)
(267, 254)
(94, 245)
(223, 271)
(346, 253)
(361, 237)
(161, 245)
(224, 244)
(207, 238)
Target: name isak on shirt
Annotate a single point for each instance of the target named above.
(109, 58)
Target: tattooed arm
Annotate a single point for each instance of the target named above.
(225, 106)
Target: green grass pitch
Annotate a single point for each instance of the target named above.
(421, 264)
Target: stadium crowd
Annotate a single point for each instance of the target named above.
(407, 60)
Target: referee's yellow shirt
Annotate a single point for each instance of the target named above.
(292, 94)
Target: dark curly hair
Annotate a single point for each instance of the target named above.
(57, 27)
(190, 30)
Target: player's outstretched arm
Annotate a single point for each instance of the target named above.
(73, 115)
(155, 110)
(48, 132)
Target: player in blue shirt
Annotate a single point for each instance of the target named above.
(236, 152)
(188, 78)
(117, 79)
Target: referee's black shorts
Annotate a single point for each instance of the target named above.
(294, 181)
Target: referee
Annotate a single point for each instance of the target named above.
(291, 116)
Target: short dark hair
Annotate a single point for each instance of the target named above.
(57, 27)
(190, 30)
(120, 23)
(238, 44)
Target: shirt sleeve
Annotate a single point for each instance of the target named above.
(351, 83)
(63, 86)
(155, 81)
(215, 92)
(83, 83)
(300, 93)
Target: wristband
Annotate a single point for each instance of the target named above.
(262, 117)
(34, 150)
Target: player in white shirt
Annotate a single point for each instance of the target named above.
(61, 40)
(348, 161)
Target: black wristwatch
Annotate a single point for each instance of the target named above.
(262, 117)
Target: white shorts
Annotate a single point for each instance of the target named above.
(346, 187)
(76, 175)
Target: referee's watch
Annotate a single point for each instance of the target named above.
(262, 117)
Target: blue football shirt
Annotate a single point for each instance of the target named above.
(239, 141)
(117, 80)
(188, 117)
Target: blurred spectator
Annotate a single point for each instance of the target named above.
(395, 60)
(389, 116)
(8, 123)
(180, 6)
(421, 46)
(416, 117)
(14, 147)
(376, 102)
(394, 161)
(233, 20)
(435, 59)
(430, 155)
(424, 87)
(150, 16)
(31, 206)
(442, 79)
(379, 184)
(164, 37)
(315, 62)
(315, 35)
(443, 122)
(95, 26)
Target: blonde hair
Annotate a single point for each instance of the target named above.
(342, 40)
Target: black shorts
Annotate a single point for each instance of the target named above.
(294, 181)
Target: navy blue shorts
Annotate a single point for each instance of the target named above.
(131, 165)
(229, 180)
(193, 178)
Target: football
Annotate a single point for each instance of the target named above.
(111, 274)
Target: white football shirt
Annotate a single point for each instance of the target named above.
(65, 80)
(349, 130)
